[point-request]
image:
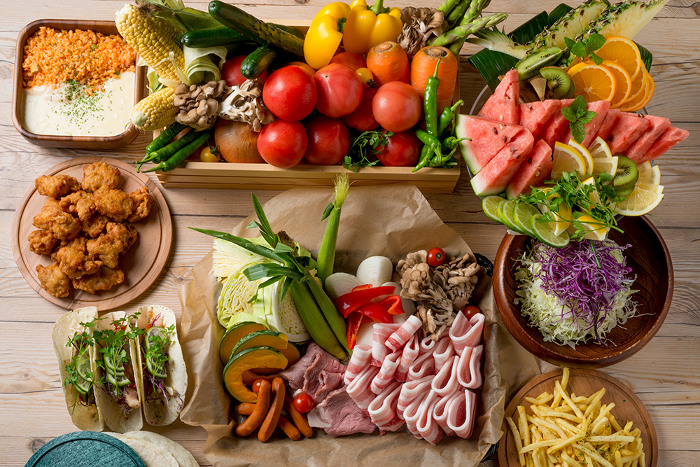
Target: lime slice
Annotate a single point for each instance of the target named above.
(567, 159)
(83, 367)
(545, 234)
(599, 149)
(605, 164)
(505, 211)
(490, 206)
(522, 214)
(587, 158)
(639, 202)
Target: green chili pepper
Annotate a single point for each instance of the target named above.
(451, 142)
(430, 102)
(447, 117)
(166, 152)
(425, 156)
(431, 141)
(165, 137)
(175, 160)
(445, 161)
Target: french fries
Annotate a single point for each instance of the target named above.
(566, 430)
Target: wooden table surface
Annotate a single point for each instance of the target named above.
(665, 374)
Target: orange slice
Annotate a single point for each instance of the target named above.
(642, 98)
(623, 80)
(593, 82)
(638, 87)
(623, 51)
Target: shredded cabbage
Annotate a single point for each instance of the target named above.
(576, 293)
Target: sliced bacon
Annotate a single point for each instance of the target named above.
(410, 352)
(426, 424)
(446, 381)
(462, 413)
(412, 391)
(382, 410)
(386, 373)
(399, 337)
(359, 389)
(379, 348)
(427, 345)
(444, 350)
(423, 366)
(469, 369)
(361, 355)
(411, 414)
(466, 332)
(440, 411)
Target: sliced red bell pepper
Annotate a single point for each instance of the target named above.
(361, 287)
(353, 326)
(376, 311)
(393, 304)
(351, 301)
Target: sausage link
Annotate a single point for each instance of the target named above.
(273, 413)
(299, 419)
(245, 408)
(258, 414)
(288, 428)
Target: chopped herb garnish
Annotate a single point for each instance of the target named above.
(365, 145)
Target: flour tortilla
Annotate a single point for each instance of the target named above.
(156, 410)
(86, 417)
(114, 416)
(183, 457)
(150, 454)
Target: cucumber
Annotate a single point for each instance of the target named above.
(257, 62)
(212, 37)
(289, 29)
(256, 30)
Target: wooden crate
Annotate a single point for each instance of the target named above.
(267, 177)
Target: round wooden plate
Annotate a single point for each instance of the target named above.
(142, 264)
(583, 382)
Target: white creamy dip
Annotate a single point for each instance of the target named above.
(69, 110)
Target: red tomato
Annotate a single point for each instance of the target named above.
(397, 106)
(339, 90)
(290, 93)
(401, 150)
(231, 71)
(470, 311)
(329, 140)
(283, 143)
(304, 66)
(350, 59)
(362, 118)
(436, 256)
(303, 402)
(256, 384)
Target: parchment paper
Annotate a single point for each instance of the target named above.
(382, 220)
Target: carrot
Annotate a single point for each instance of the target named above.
(388, 62)
(298, 418)
(258, 414)
(288, 428)
(245, 408)
(273, 413)
(423, 67)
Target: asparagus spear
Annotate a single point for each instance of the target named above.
(465, 30)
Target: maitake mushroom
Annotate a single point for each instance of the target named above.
(440, 291)
(199, 104)
(244, 104)
(419, 26)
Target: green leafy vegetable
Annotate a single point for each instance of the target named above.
(578, 115)
(113, 345)
(366, 145)
(79, 374)
(585, 47)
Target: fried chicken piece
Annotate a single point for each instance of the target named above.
(55, 186)
(143, 202)
(42, 242)
(51, 210)
(61, 224)
(108, 246)
(80, 203)
(104, 279)
(74, 261)
(100, 176)
(53, 280)
(114, 204)
(95, 225)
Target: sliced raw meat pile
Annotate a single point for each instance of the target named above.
(591, 128)
(533, 172)
(504, 104)
(535, 116)
(486, 138)
(658, 125)
(496, 175)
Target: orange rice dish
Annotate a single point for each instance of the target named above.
(52, 57)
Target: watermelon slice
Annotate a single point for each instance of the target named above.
(638, 150)
(496, 175)
(502, 106)
(535, 116)
(666, 141)
(591, 128)
(627, 130)
(558, 126)
(610, 120)
(487, 138)
(533, 172)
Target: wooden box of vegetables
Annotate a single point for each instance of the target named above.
(288, 109)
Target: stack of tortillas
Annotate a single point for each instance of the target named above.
(156, 450)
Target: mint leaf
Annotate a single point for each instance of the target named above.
(570, 43)
(579, 49)
(594, 42)
(595, 58)
(578, 132)
(578, 115)
(569, 114)
(587, 116)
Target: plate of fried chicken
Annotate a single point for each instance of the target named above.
(92, 231)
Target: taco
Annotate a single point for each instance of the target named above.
(163, 376)
(116, 372)
(73, 344)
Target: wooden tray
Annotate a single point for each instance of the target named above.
(583, 382)
(142, 264)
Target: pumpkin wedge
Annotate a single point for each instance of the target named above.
(276, 340)
(233, 335)
(249, 359)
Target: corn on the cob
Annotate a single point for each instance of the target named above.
(153, 39)
(155, 111)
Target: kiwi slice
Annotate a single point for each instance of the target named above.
(626, 176)
(531, 65)
(558, 81)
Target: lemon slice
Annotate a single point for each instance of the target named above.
(649, 174)
(655, 175)
(605, 164)
(567, 159)
(594, 196)
(593, 227)
(599, 149)
(649, 187)
(562, 216)
(639, 202)
(584, 154)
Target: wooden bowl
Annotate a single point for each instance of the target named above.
(62, 141)
(651, 264)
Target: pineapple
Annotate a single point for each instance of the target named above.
(570, 25)
(626, 18)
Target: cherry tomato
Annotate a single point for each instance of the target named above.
(256, 384)
(209, 154)
(231, 71)
(290, 93)
(401, 150)
(471, 310)
(436, 256)
(350, 59)
(282, 143)
(339, 90)
(362, 118)
(366, 77)
(329, 140)
(397, 106)
(303, 402)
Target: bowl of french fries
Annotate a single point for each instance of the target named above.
(578, 418)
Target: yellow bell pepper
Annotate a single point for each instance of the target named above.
(367, 27)
(325, 34)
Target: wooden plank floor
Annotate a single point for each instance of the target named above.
(665, 375)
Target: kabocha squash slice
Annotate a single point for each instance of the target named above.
(270, 338)
(233, 335)
(246, 360)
